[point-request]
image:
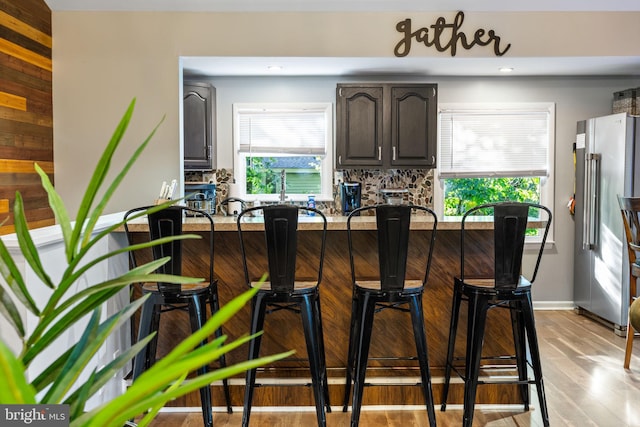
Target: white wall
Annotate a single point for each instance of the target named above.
(103, 59)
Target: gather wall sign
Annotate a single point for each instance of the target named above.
(446, 36)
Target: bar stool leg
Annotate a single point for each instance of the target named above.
(363, 340)
(478, 307)
(532, 336)
(323, 367)
(520, 345)
(628, 347)
(312, 337)
(214, 302)
(353, 333)
(417, 320)
(257, 324)
(197, 317)
(453, 327)
(142, 359)
(155, 327)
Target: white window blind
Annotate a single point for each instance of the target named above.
(476, 143)
(283, 131)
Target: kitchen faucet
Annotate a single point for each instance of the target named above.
(283, 184)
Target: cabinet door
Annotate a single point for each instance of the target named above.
(198, 109)
(413, 126)
(360, 129)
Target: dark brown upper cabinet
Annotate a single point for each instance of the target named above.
(199, 120)
(386, 126)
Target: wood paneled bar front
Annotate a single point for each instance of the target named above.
(390, 339)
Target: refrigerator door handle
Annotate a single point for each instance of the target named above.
(591, 196)
(586, 198)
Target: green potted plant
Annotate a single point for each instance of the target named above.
(60, 382)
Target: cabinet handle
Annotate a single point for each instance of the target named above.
(394, 152)
(379, 153)
(209, 152)
(340, 159)
(433, 160)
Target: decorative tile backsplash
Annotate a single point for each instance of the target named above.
(419, 183)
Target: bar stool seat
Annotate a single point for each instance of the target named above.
(165, 297)
(284, 291)
(504, 288)
(391, 290)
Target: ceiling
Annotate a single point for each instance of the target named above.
(346, 5)
(259, 66)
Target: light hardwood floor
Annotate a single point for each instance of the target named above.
(585, 382)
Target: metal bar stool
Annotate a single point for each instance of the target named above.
(165, 297)
(390, 290)
(506, 287)
(284, 291)
(630, 210)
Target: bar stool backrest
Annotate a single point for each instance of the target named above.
(393, 225)
(280, 226)
(280, 231)
(393, 242)
(630, 210)
(510, 224)
(163, 224)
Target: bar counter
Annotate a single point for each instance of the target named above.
(392, 335)
(229, 223)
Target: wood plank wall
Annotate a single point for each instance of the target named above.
(26, 109)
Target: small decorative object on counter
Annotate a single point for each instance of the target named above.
(311, 203)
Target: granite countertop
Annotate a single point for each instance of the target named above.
(228, 223)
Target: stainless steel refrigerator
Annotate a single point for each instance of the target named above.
(606, 159)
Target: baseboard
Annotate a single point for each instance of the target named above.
(553, 305)
(516, 407)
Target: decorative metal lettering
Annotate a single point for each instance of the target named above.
(437, 33)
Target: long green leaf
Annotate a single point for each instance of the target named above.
(111, 415)
(72, 274)
(109, 370)
(36, 344)
(12, 276)
(102, 203)
(217, 320)
(59, 210)
(28, 248)
(162, 371)
(151, 414)
(110, 229)
(133, 276)
(93, 301)
(77, 361)
(10, 312)
(54, 370)
(99, 174)
(13, 385)
(77, 408)
(68, 280)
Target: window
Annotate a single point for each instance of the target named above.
(294, 138)
(494, 152)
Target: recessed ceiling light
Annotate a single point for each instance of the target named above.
(505, 69)
(274, 68)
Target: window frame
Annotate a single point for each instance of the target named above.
(547, 185)
(326, 163)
